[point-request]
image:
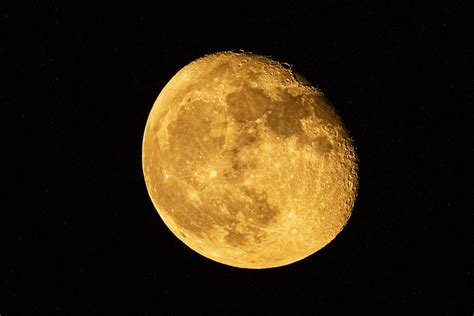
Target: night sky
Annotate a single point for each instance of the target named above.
(81, 233)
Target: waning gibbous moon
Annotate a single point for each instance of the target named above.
(246, 163)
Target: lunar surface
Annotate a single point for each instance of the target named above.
(246, 163)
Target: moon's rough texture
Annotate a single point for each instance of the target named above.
(247, 165)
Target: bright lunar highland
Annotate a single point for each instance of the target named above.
(248, 164)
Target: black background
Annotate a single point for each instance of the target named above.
(82, 233)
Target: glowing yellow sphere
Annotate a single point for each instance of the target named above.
(246, 164)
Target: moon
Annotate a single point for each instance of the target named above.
(246, 163)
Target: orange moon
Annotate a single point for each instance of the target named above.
(246, 163)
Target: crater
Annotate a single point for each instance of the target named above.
(252, 75)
